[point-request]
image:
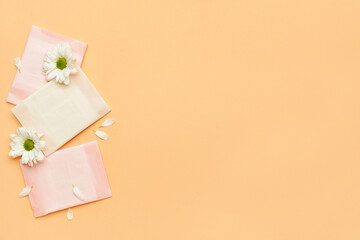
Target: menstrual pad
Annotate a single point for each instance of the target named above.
(60, 112)
(53, 178)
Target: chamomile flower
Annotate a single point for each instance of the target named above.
(28, 145)
(59, 63)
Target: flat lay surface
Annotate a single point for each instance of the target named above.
(235, 119)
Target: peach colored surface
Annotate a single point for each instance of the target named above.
(236, 119)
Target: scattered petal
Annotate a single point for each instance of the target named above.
(107, 123)
(77, 193)
(70, 214)
(25, 191)
(17, 62)
(101, 134)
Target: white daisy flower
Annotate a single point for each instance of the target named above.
(27, 144)
(59, 63)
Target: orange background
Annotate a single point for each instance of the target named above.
(236, 119)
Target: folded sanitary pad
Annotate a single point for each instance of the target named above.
(31, 77)
(60, 112)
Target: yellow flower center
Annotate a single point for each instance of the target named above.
(29, 144)
(61, 63)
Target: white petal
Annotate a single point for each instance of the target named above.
(60, 77)
(31, 155)
(25, 157)
(16, 153)
(35, 138)
(61, 50)
(107, 123)
(49, 66)
(77, 193)
(13, 154)
(25, 191)
(73, 69)
(47, 72)
(70, 214)
(30, 163)
(12, 136)
(52, 74)
(42, 144)
(21, 131)
(68, 51)
(71, 60)
(66, 72)
(31, 132)
(17, 145)
(101, 135)
(40, 156)
(67, 81)
(17, 62)
(19, 140)
(56, 51)
(51, 56)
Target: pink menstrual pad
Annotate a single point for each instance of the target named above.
(31, 77)
(52, 179)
